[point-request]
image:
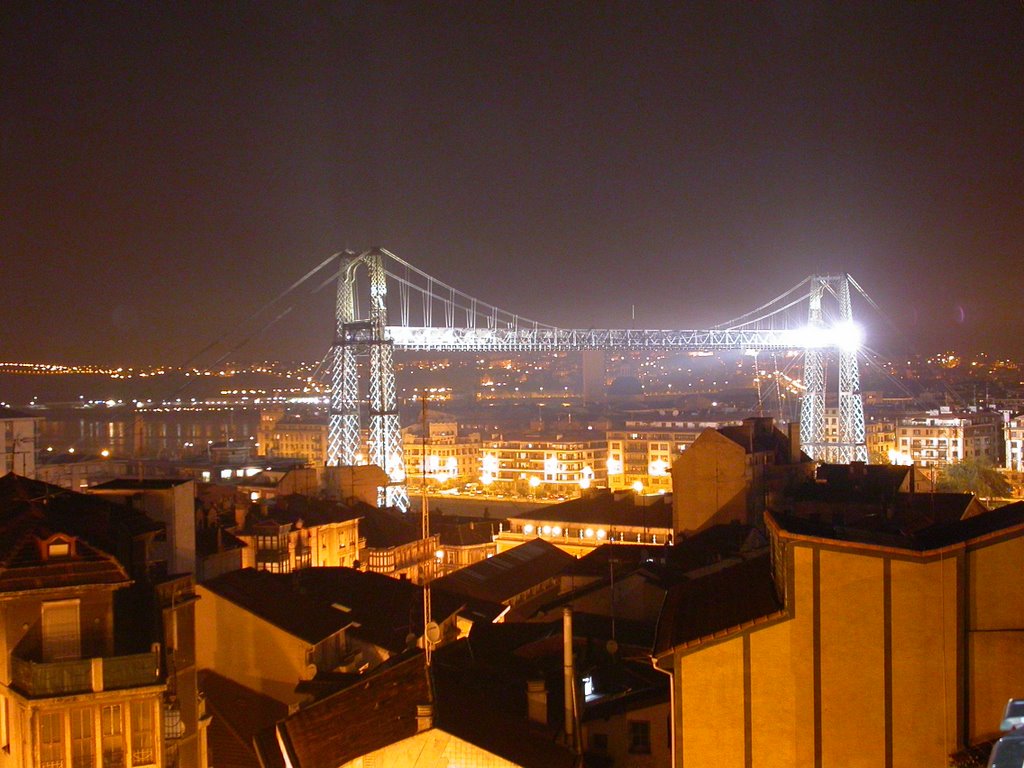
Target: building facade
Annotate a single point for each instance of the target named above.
(445, 457)
(18, 446)
(1014, 451)
(844, 650)
(562, 465)
(940, 438)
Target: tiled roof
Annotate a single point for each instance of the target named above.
(271, 597)
(238, 715)
(377, 711)
(32, 512)
(507, 574)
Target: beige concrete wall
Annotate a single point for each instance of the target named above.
(995, 596)
(712, 693)
(995, 632)
(781, 685)
(709, 483)
(852, 661)
(995, 675)
(246, 649)
(924, 662)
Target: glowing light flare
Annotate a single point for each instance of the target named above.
(534, 481)
(614, 466)
(899, 459)
(846, 336)
(658, 468)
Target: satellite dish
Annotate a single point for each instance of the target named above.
(433, 633)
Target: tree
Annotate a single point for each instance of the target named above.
(975, 476)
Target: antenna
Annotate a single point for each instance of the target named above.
(431, 631)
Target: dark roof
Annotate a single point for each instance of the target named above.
(929, 521)
(380, 709)
(869, 480)
(606, 508)
(670, 563)
(760, 435)
(384, 610)
(146, 484)
(312, 512)
(212, 539)
(507, 574)
(238, 715)
(271, 597)
(386, 528)
(11, 413)
(717, 602)
(996, 520)
(464, 534)
(32, 511)
(468, 708)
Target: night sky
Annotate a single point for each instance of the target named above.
(166, 168)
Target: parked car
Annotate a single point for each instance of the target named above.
(1008, 752)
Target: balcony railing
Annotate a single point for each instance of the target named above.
(62, 678)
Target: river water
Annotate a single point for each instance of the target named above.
(143, 434)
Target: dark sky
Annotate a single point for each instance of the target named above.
(166, 168)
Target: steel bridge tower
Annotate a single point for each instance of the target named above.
(356, 338)
(849, 443)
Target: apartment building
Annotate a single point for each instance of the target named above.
(939, 438)
(443, 455)
(561, 464)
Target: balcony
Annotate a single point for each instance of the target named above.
(62, 678)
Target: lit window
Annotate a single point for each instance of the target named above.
(112, 738)
(83, 745)
(51, 740)
(142, 733)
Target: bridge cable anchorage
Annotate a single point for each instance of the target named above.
(370, 335)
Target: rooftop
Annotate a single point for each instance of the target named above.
(272, 598)
(502, 577)
(603, 507)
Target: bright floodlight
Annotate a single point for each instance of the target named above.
(847, 336)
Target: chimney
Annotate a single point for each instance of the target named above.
(794, 442)
(537, 701)
(570, 678)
